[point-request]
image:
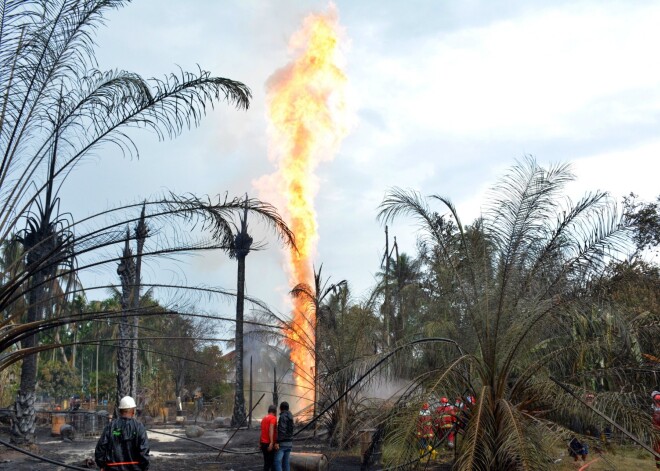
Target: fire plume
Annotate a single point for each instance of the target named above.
(306, 109)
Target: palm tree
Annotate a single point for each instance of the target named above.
(47, 247)
(400, 284)
(56, 108)
(314, 297)
(345, 336)
(129, 269)
(520, 277)
(239, 249)
(141, 232)
(126, 272)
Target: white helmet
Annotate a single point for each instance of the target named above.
(127, 402)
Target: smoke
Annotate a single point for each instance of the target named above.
(385, 388)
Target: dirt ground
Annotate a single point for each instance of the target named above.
(173, 453)
(169, 453)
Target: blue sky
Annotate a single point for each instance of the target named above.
(446, 96)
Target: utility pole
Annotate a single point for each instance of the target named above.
(386, 311)
(250, 417)
(276, 397)
(97, 373)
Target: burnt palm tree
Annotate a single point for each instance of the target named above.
(47, 246)
(240, 248)
(141, 232)
(520, 283)
(129, 269)
(56, 108)
(126, 271)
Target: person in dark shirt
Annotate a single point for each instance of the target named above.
(577, 449)
(269, 437)
(123, 445)
(284, 438)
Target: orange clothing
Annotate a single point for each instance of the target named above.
(265, 425)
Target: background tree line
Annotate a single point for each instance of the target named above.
(529, 308)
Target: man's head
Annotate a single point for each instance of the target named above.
(272, 409)
(284, 406)
(656, 396)
(127, 406)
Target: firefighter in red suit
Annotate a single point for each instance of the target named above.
(425, 430)
(655, 395)
(446, 420)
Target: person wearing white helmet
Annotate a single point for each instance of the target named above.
(123, 445)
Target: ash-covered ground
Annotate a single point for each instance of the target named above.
(171, 453)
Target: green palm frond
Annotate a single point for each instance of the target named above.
(522, 288)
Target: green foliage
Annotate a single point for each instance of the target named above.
(58, 380)
(516, 290)
(644, 218)
(347, 335)
(107, 385)
(9, 384)
(210, 374)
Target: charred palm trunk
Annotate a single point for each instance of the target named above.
(141, 232)
(239, 396)
(23, 427)
(386, 305)
(45, 247)
(242, 244)
(126, 272)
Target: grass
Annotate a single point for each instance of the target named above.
(626, 458)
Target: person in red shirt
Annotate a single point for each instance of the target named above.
(655, 395)
(269, 437)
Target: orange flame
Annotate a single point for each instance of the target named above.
(306, 108)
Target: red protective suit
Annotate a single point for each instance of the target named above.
(425, 426)
(445, 420)
(656, 423)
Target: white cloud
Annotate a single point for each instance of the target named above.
(620, 172)
(523, 77)
(444, 107)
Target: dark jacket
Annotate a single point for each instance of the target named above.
(124, 440)
(285, 427)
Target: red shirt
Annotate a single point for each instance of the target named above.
(265, 425)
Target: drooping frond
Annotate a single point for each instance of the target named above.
(523, 289)
(477, 446)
